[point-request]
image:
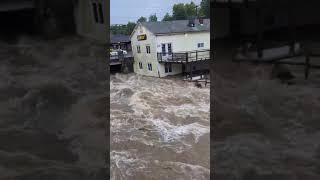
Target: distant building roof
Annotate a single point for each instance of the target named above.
(176, 26)
(116, 38)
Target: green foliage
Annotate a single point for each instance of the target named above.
(153, 18)
(184, 11)
(142, 19)
(122, 29)
(179, 12)
(167, 17)
(130, 27)
(190, 9)
(205, 8)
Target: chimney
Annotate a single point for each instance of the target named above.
(201, 21)
(191, 22)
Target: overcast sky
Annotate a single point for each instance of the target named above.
(123, 11)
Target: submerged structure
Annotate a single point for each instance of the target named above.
(171, 47)
(54, 18)
(269, 31)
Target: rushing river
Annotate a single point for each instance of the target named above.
(160, 128)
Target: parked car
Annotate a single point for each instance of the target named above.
(114, 52)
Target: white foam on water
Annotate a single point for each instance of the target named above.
(127, 163)
(145, 123)
(194, 172)
(171, 133)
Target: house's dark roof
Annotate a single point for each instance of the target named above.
(177, 26)
(116, 38)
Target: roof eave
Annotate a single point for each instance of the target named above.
(176, 33)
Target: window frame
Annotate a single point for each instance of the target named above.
(167, 67)
(199, 45)
(169, 49)
(150, 66)
(138, 49)
(148, 49)
(95, 12)
(140, 65)
(100, 12)
(163, 47)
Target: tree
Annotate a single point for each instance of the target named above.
(190, 9)
(184, 11)
(130, 27)
(153, 18)
(205, 8)
(167, 17)
(142, 19)
(179, 12)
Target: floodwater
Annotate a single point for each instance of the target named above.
(160, 128)
(52, 116)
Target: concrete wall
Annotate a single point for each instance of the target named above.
(143, 56)
(85, 23)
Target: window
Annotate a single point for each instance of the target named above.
(167, 67)
(148, 49)
(140, 65)
(95, 12)
(200, 45)
(149, 66)
(138, 49)
(163, 47)
(269, 20)
(169, 49)
(101, 13)
(98, 13)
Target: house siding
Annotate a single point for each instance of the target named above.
(143, 56)
(179, 43)
(85, 23)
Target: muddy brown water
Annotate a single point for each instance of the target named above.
(52, 114)
(159, 128)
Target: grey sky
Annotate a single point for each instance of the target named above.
(123, 11)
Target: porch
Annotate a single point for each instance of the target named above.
(183, 57)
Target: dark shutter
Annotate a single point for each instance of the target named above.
(101, 14)
(95, 12)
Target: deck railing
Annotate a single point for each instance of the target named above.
(184, 57)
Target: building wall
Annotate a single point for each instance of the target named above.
(85, 21)
(182, 43)
(143, 56)
(185, 42)
(179, 43)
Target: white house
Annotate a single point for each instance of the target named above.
(91, 19)
(164, 48)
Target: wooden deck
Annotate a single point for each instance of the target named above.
(116, 60)
(183, 57)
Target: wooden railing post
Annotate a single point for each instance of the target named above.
(186, 57)
(196, 55)
(306, 72)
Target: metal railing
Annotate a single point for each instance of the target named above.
(184, 57)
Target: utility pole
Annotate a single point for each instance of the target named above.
(197, 11)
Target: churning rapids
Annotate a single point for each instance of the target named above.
(160, 128)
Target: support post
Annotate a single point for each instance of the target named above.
(260, 30)
(196, 55)
(191, 71)
(292, 25)
(307, 67)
